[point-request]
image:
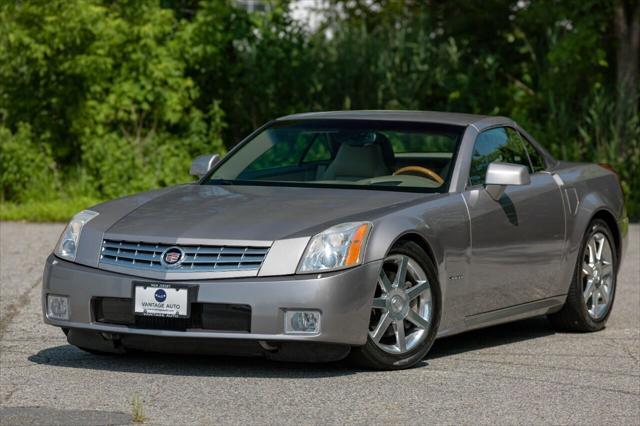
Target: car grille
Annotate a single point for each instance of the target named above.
(198, 258)
(204, 316)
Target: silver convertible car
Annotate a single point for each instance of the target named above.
(361, 233)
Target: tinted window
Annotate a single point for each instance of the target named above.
(403, 143)
(345, 153)
(496, 145)
(319, 150)
(285, 151)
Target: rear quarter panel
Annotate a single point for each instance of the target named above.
(589, 189)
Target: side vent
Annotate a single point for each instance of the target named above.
(572, 200)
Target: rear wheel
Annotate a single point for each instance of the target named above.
(592, 290)
(406, 311)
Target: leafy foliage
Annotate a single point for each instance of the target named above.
(104, 85)
(100, 98)
(19, 179)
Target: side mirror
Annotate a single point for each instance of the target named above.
(499, 175)
(201, 165)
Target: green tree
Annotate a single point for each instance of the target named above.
(105, 85)
(109, 97)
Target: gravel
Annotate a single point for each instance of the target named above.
(519, 373)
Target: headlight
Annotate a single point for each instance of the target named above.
(68, 243)
(338, 247)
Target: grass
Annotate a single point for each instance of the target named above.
(137, 410)
(60, 210)
(63, 209)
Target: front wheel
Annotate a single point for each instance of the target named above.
(405, 313)
(592, 289)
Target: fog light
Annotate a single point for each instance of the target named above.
(58, 307)
(302, 322)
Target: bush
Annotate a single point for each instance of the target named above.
(27, 169)
(603, 140)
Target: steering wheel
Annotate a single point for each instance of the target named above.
(422, 170)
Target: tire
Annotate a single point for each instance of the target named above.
(412, 299)
(99, 353)
(577, 314)
(91, 351)
(92, 342)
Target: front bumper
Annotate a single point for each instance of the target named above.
(343, 298)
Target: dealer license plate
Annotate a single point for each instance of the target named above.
(159, 300)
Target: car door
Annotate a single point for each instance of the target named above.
(517, 241)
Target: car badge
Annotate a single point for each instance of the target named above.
(173, 256)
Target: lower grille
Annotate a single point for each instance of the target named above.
(204, 316)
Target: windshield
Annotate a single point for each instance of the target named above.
(361, 154)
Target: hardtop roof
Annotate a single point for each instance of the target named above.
(450, 118)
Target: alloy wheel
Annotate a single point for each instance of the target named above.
(597, 275)
(402, 310)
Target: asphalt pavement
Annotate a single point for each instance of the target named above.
(519, 373)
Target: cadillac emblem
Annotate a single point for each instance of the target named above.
(173, 256)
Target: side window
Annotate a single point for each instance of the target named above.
(500, 144)
(537, 161)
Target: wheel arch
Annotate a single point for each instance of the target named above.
(592, 205)
(608, 217)
(419, 240)
(387, 233)
(431, 251)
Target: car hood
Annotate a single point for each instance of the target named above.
(251, 213)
